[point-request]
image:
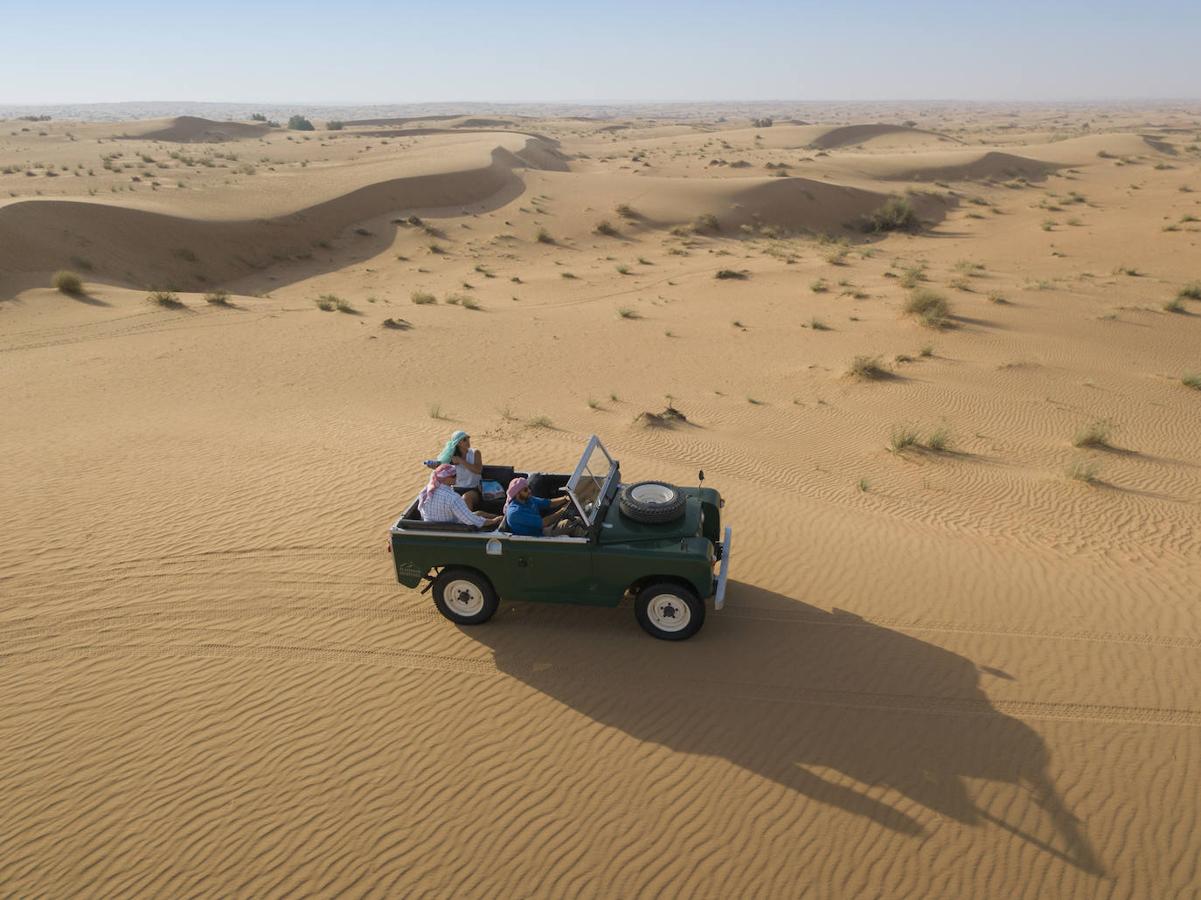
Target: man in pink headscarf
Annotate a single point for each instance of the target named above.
(438, 502)
(524, 513)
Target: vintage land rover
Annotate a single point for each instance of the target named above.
(656, 541)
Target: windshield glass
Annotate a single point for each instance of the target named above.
(591, 477)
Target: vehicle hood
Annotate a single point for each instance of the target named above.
(618, 529)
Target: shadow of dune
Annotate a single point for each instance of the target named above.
(838, 709)
(36, 235)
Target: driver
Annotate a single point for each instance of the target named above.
(524, 513)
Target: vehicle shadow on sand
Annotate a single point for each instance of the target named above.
(824, 703)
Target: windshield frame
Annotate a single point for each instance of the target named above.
(582, 471)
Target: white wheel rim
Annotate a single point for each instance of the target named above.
(464, 597)
(652, 493)
(668, 612)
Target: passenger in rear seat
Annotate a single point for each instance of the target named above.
(438, 502)
(468, 463)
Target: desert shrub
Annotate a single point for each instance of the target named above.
(1095, 434)
(540, 422)
(607, 229)
(913, 276)
(1193, 380)
(300, 123)
(895, 215)
(997, 297)
(470, 303)
(623, 269)
(626, 211)
(544, 237)
(818, 325)
(736, 274)
(343, 305)
(423, 298)
(1191, 291)
(165, 298)
(66, 282)
(257, 117)
(435, 411)
(867, 368)
(437, 249)
(819, 286)
(335, 125)
(904, 437)
(940, 440)
(327, 302)
(628, 312)
(929, 307)
(1083, 470)
(397, 324)
(217, 298)
(706, 224)
(1175, 305)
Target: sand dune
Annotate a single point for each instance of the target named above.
(193, 130)
(968, 666)
(849, 135)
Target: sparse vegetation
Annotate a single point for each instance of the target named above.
(397, 324)
(819, 286)
(1192, 380)
(913, 276)
(628, 312)
(818, 325)
(997, 297)
(930, 308)
(299, 123)
(606, 228)
(1175, 305)
(1191, 291)
(217, 298)
(1095, 434)
(540, 422)
(867, 368)
(939, 440)
(544, 237)
(423, 298)
(1083, 470)
(904, 437)
(66, 282)
(623, 269)
(435, 411)
(738, 275)
(706, 224)
(166, 299)
(895, 215)
(627, 212)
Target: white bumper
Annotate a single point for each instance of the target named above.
(719, 594)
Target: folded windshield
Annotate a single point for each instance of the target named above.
(591, 478)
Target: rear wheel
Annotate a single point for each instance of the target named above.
(465, 596)
(669, 612)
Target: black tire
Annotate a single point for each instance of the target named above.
(666, 507)
(465, 596)
(669, 612)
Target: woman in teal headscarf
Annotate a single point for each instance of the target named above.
(468, 463)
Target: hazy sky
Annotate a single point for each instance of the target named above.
(400, 52)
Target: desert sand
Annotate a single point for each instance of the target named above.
(960, 656)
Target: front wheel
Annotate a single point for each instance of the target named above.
(465, 596)
(669, 612)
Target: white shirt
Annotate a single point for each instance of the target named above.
(465, 477)
(444, 505)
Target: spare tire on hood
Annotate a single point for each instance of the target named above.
(652, 502)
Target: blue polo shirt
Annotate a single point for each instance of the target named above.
(526, 518)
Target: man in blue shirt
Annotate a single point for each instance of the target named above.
(524, 513)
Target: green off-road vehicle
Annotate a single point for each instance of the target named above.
(656, 541)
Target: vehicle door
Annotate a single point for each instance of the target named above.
(550, 569)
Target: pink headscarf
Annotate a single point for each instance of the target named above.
(440, 475)
(516, 486)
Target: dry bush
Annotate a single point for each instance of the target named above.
(930, 308)
(867, 368)
(67, 282)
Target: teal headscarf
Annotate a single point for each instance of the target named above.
(451, 446)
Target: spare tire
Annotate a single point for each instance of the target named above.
(653, 502)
